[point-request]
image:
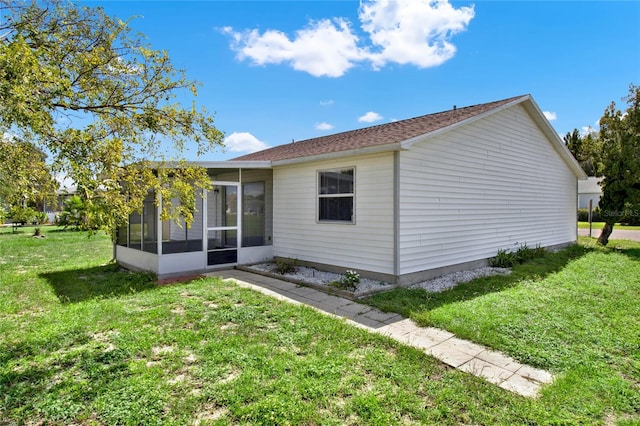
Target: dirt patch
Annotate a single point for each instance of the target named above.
(176, 280)
(210, 413)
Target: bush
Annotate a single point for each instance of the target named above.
(73, 213)
(632, 215)
(504, 259)
(350, 281)
(583, 215)
(22, 215)
(285, 266)
(507, 258)
(39, 218)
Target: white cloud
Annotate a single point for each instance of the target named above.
(550, 115)
(323, 48)
(327, 102)
(324, 126)
(244, 142)
(415, 32)
(370, 117)
(588, 130)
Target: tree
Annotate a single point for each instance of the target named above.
(620, 136)
(25, 179)
(102, 103)
(73, 213)
(587, 149)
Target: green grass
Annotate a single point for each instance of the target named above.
(83, 342)
(575, 313)
(599, 225)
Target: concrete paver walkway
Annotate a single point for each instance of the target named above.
(493, 366)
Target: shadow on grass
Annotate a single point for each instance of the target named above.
(407, 301)
(29, 230)
(106, 281)
(631, 253)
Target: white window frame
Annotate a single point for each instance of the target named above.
(351, 195)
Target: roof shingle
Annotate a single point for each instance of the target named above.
(382, 134)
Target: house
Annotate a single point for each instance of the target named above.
(401, 202)
(589, 189)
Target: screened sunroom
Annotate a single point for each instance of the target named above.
(233, 224)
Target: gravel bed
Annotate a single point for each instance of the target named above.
(315, 276)
(366, 286)
(448, 281)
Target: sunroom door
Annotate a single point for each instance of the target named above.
(223, 205)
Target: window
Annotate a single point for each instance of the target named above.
(336, 195)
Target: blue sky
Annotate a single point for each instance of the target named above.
(276, 71)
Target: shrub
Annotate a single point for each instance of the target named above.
(583, 215)
(73, 213)
(285, 266)
(507, 259)
(504, 259)
(631, 216)
(39, 218)
(22, 215)
(351, 277)
(350, 281)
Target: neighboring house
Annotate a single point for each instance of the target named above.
(55, 208)
(400, 202)
(589, 189)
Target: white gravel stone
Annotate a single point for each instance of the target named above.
(315, 276)
(448, 281)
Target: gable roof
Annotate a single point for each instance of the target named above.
(382, 134)
(403, 133)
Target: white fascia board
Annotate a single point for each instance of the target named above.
(530, 106)
(558, 144)
(406, 144)
(228, 164)
(339, 154)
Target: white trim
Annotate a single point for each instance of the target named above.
(538, 117)
(416, 139)
(237, 227)
(396, 213)
(558, 144)
(351, 195)
(232, 164)
(159, 226)
(338, 154)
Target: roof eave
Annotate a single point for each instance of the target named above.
(530, 105)
(338, 154)
(406, 144)
(558, 144)
(231, 164)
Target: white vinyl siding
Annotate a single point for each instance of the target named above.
(496, 183)
(367, 244)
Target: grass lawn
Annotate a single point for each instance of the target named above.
(575, 313)
(83, 342)
(599, 225)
